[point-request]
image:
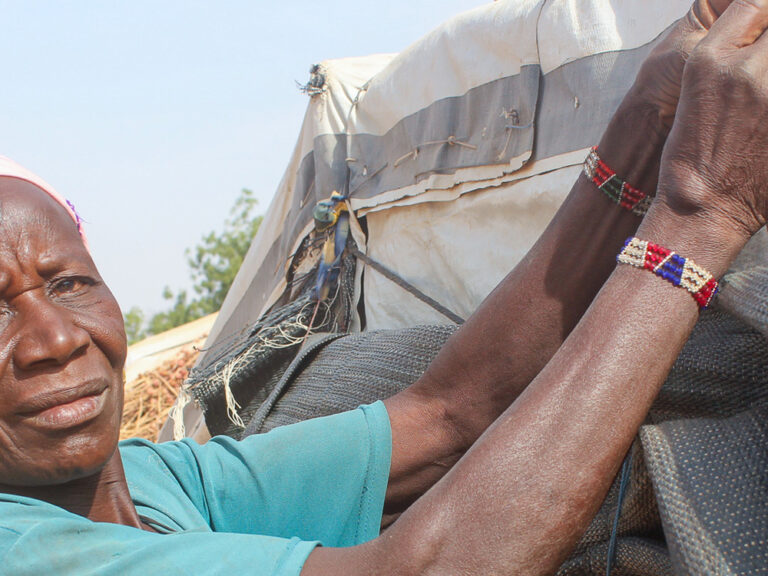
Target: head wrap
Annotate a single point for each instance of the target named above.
(10, 169)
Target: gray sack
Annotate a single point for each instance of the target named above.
(721, 373)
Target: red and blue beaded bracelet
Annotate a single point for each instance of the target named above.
(682, 272)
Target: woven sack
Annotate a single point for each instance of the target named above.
(721, 372)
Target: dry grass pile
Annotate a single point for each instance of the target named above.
(150, 396)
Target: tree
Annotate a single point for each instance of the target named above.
(213, 264)
(181, 312)
(134, 324)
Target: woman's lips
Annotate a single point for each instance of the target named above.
(69, 413)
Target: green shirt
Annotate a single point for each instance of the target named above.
(254, 507)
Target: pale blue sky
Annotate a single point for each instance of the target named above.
(151, 115)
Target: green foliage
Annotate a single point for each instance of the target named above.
(215, 261)
(134, 324)
(181, 312)
(213, 265)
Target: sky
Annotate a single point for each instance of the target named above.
(152, 115)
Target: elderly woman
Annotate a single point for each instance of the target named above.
(493, 463)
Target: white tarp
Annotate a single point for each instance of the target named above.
(457, 151)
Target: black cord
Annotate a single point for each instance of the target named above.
(626, 470)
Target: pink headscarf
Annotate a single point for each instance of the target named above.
(9, 168)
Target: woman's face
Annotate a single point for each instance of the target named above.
(62, 346)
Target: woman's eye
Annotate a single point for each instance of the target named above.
(70, 285)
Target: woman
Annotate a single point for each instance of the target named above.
(492, 463)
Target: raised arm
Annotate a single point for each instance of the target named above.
(518, 328)
(521, 497)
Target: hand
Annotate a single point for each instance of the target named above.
(656, 91)
(633, 141)
(715, 163)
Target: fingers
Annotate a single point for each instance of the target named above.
(692, 28)
(691, 32)
(717, 7)
(705, 12)
(740, 25)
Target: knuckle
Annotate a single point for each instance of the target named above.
(712, 65)
(703, 67)
(751, 8)
(747, 72)
(722, 79)
(752, 4)
(741, 80)
(704, 57)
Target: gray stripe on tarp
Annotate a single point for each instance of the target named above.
(320, 173)
(578, 99)
(489, 125)
(575, 103)
(326, 164)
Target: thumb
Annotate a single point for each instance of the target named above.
(693, 27)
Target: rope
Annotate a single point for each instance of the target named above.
(272, 334)
(451, 141)
(510, 128)
(410, 288)
(626, 469)
(176, 415)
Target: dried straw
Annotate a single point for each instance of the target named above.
(151, 395)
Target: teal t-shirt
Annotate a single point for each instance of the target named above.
(254, 507)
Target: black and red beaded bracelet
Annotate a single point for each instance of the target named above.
(618, 190)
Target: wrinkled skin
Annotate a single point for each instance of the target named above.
(534, 309)
(61, 340)
(61, 328)
(714, 169)
(521, 497)
(657, 89)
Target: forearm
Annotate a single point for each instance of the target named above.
(522, 496)
(521, 324)
(524, 321)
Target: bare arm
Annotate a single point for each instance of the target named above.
(523, 322)
(522, 495)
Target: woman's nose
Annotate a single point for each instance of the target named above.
(48, 335)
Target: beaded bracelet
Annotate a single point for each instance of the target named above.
(623, 194)
(672, 267)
